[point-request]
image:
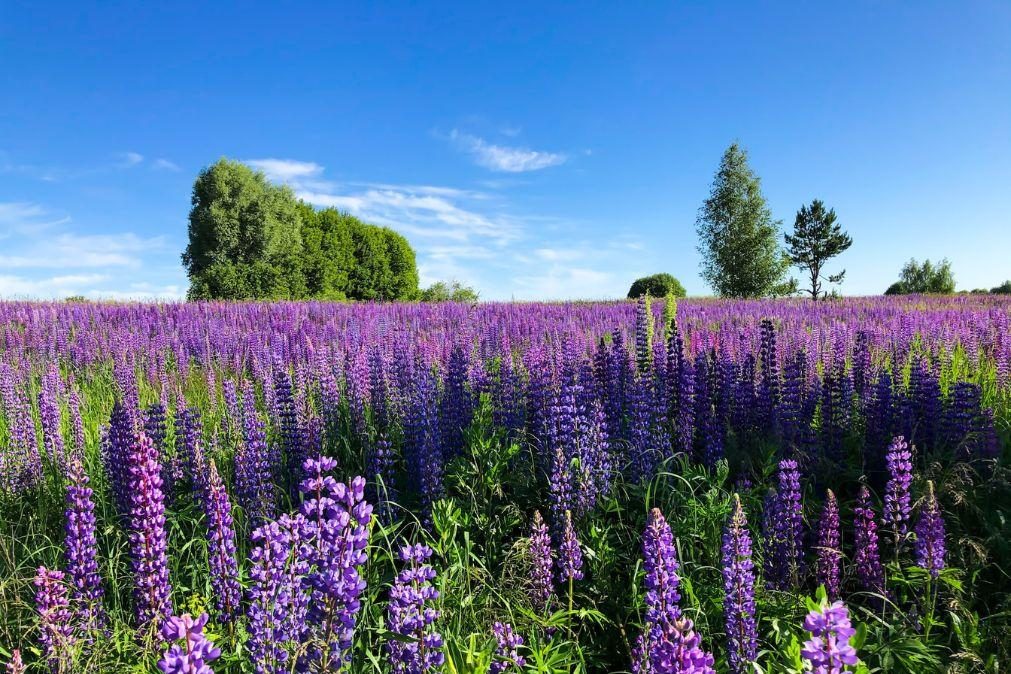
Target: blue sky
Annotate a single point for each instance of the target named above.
(533, 150)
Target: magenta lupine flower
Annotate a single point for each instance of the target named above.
(829, 567)
(930, 546)
(192, 656)
(56, 628)
(221, 547)
(897, 502)
(148, 540)
(16, 664)
(570, 556)
(541, 578)
(507, 645)
(335, 536)
(81, 547)
(829, 650)
(739, 586)
(866, 556)
(411, 615)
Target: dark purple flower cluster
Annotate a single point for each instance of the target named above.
(81, 547)
(930, 545)
(456, 404)
(221, 547)
(784, 552)
(541, 564)
(411, 616)
(195, 651)
(867, 557)
(739, 586)
(148, 539)
(56, 629)
(422, 439)
(899, 461)
(570, 555)
(255, 464)
(116, 450)
(507, 645)
(829, 650)
(829, 550)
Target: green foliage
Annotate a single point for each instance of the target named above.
(738, 239)
(816, 239)
(453, 291)
(1002, 289)
(657, 285)
(922, 279)
(249, 239)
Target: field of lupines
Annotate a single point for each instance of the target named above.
(717, 486)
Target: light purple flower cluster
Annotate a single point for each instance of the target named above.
(829, 650)
(192, 656)
(570, 556)
(739, 586)
(56, 629)
(899, 460)
(49, 414)
(148, 539)
(541, 577)
(81, 547)
(507, 645)
(16, 664)
(829, 566)
(930, 546)
(221, 547)
(411, 615)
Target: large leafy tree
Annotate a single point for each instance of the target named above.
(245, 236)
(738, 239)
(924, 278)
(817, 238)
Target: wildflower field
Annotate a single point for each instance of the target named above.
(712, 486)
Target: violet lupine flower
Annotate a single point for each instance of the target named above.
(56, 628)
(769, 382)
(16, 664)
(421, 431)
(456, 405)
(930, 547)
(49, 415)
(866, 556)
(897, 502)
(289, 429)
(335, 536)
(76, 420)
(255, 464)
(192, 656)
(277, 604)
(829, 566)
(541, 578)
(116, 455)
(570, 556)
(680, 651)
(739, 585)
(785, 524)
(829, 650)
(221, 547)
(507, 644)
(382, 487)
(643, 334)
(410, 615)
(148, 539)
(81, 547)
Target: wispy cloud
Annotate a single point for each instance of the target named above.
(162, 164)
(130, 159)
(504, 158)
(286, 170)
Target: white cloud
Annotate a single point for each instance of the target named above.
(163, 164)
(504, 158)
(47, 288)
(69, 250)
(286, 170)
(130, 159)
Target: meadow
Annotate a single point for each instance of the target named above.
(707, 486)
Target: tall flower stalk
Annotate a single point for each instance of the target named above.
(412, 616)
(739, 588)
(829, 567)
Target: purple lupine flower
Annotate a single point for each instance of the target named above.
(866, 556)
(289, 429)
(739, 586)
(148, 539)
(930, 546)
(16, 664)
(570, 556)
(899, 460)
(541, 577)
(411, 615)
(785, 529)
(769, 381)
(507, 644)
(791, 407)
(192, 656)
(21, 463)
(116, 455)
(334, 537)
(829, 650)
(829, 551)
(276, 610)
(76, 420)
(56, 628)
(186, 463)
(381, 481)
(81, 547)
(49, 414)
(643, 334)
(421, 431)
(456, 404)
(668, 642)
(255, 464)
(221, 547)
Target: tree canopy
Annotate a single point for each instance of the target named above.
(925, 278)
(816, 239)
(738, 239)
(250, 239)
(657, 285)
(453, 291)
